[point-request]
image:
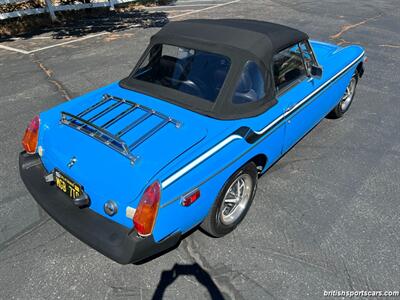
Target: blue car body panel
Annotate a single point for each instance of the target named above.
(203, 153)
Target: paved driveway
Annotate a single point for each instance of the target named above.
(325, 217)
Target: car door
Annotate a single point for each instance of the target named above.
(295, 88)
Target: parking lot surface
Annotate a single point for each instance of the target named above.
(326, 216)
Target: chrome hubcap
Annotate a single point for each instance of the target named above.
(236, 199)
(348, 95)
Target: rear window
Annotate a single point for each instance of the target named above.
(194, 72)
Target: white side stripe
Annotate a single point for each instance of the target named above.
(270, 125)
(198, 160)
(231, 138)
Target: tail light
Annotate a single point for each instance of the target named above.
(30, 139)
(146, 212)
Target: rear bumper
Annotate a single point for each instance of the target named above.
(108, 237)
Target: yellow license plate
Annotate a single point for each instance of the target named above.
(68, 186)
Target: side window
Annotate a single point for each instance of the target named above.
(288, 67)
(308, 55)
(250, 86)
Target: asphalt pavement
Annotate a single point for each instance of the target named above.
(326, 216)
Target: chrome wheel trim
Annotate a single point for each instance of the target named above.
(348, 95)
(236, 199)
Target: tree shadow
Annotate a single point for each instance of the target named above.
(203, 277)
(81, 23)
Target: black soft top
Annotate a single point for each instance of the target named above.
(241, 40)
(261, 38)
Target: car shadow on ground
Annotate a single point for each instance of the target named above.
(168, 277)
(85, 22)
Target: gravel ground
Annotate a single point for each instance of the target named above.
(326, 216)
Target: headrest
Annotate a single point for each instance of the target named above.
(244, 84)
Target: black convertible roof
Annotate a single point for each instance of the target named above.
(239, 40)
(261, 38)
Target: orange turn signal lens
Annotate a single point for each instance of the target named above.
(30, 139)
(146, 212)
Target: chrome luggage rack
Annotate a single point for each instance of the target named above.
(101, 133)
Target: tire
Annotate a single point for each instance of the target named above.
(344, 104)
(226, 212)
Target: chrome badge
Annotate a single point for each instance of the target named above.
(72, 161)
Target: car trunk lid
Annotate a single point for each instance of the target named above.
(117, 145)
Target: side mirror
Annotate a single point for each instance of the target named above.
(316, 71)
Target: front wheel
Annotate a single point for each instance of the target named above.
(233, 202)
(344, 104)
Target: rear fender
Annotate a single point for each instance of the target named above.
(209, 177)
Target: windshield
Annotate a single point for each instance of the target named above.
(194, 72)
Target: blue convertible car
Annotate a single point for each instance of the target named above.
(181, 141)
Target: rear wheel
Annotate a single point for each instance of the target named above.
(233, 202)
(343, 106)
